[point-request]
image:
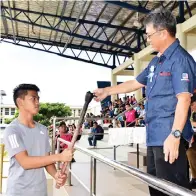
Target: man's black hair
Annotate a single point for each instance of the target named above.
(22, 90)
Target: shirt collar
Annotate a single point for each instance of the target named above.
(169, 51)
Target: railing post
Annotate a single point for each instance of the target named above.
(114, 147)
(1, 165)
(138, 158)
(93, 176)
(53, 135)
(69, 176)
(58, 151)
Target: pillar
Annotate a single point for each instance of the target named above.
(137, 70)
(181, 36)
(113, 83)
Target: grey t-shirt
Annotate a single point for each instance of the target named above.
(18, 138)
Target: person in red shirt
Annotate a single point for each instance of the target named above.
(130, 116)
(67, 135)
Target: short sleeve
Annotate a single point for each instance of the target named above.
(182, 77)
(143, 76)
(13, 141)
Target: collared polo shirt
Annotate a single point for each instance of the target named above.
(165, 77)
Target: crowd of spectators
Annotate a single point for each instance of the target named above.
(133, 117)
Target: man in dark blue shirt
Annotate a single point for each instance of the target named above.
(169, 79)
(97, 134)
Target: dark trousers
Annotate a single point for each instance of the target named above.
(176, 172)
(122, 123)
(93, 139)
(130, 124)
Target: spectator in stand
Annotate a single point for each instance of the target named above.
(111, 111)
(120, 102)
(86, 124)
(67, 135)
(73, 127)
(121, 120)
(59, 132)
(141, 119)
(138, 109)
(134, 99)
(124, 100)
(97, 129)
(117, 123)
(64, 134)
(116, 111)
(130, 116)
(110, 126)
(131, 100)
(127, 99)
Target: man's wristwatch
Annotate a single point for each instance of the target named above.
(176, 133)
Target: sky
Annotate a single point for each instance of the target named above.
(60, 79)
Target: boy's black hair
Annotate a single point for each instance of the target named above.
(22, 90)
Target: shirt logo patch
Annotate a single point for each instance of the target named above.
(185, 77)
(13, 141)
(163, 73)
(42, 132)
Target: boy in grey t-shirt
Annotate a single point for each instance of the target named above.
(27, 143)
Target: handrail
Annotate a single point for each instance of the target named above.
(159, 184)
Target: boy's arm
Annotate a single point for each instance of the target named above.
(15, 146)
(33, 162)
(51, 169)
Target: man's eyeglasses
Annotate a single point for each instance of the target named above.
(150, 35)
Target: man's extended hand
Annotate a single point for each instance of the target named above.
(100, 94)
(60, 178)
(171, 148)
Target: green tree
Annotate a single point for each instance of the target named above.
(9, 120)
(47, 110)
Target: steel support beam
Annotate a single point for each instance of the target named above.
(89, 38)
(57, 44)
(25, 42)
(129, 6)
(75, 25)
(180, 18)
(13, 30)
(70, 19)
(109, 43)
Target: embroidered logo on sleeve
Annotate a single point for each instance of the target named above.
(13, 141)
(185, 77)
